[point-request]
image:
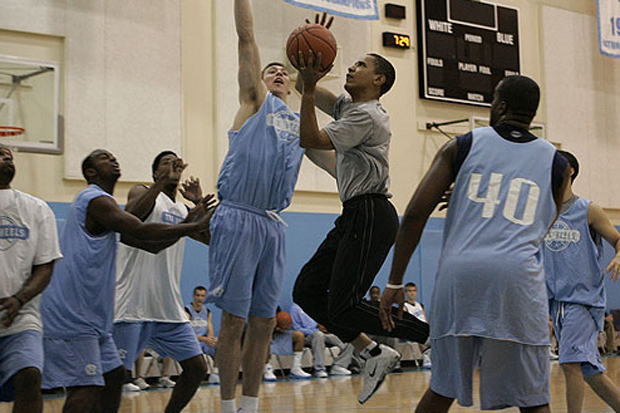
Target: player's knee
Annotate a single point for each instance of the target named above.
(28, 379)
(298, 337)
(195, 368)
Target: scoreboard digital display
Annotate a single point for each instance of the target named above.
(465, 48)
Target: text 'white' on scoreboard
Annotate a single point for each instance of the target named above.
(465, 48)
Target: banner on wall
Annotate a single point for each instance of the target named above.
(609, 27)
(353, 9)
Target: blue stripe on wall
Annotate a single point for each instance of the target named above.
(304, 234)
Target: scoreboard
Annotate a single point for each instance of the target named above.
(465, 48)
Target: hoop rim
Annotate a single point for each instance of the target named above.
(11, 131)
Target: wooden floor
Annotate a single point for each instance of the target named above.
(400, 393)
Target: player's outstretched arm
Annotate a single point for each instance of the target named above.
(34, 285)
(424, 200)
(599, 222)
(104, 213)
(252, 90)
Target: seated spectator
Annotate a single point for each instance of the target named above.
(416, 309)
(201, 320)
(284, 339)
(375, 294)
(316, 336)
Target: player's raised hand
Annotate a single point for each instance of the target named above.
(191, 190)
(321, 19)
(388, 299)
(614, 268)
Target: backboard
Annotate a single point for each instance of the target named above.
(30, 99)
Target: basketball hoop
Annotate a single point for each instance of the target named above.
(11, 131)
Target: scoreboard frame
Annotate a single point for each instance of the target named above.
(422, 47)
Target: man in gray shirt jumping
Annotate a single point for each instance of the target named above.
(354, 149)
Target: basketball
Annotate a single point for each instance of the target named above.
(313, 37)
(283, 320)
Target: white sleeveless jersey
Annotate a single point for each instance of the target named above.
(416, 310)
(148, 285)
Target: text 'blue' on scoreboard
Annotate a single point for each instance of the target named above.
(465, 48)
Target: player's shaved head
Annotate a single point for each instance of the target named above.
(521, 94)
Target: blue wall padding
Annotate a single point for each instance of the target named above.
(304, 234)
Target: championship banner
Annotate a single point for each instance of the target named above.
(609, 27)
(353, 9)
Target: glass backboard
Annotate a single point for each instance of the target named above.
(29, 105)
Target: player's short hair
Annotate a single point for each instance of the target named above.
(89, 162)
(411, 285)
(374, 287)
(521, 94)
(573, 162)
(158, 159)
(199, 288)
(385, 68)
(262, 73)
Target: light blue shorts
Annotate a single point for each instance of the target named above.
(207, 349)
(576, 328)
(17, 352)
(176, 340)
(78, 362)
(246, 261)
(282, 343)
(511, 374)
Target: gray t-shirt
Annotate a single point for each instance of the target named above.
(361, 136)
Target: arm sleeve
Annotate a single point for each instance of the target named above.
(351, 130)
(48, 249)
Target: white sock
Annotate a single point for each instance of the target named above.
(365, 353)
(249, 404)
(297, 360)
(216, 370)
(229, 406)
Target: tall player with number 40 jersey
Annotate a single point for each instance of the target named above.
(489, 305)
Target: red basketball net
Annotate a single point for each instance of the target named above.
(11, 131)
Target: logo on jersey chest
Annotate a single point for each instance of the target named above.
(560, 236)
(170, 218)
(285, 124)
(10, 233)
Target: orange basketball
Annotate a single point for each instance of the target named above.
(312, 37)
(283, 320)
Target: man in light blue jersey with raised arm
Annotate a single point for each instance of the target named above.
(489, 306)
(256, 181)
(573, 253)
(78, 306)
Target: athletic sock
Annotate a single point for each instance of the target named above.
(297, 359)
(371, 350)
(249, 404)
(229, 406)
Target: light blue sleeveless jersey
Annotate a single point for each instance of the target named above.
(79, 301)
(490, 281)
(263, 160)
(573, 260)
(200, 320)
